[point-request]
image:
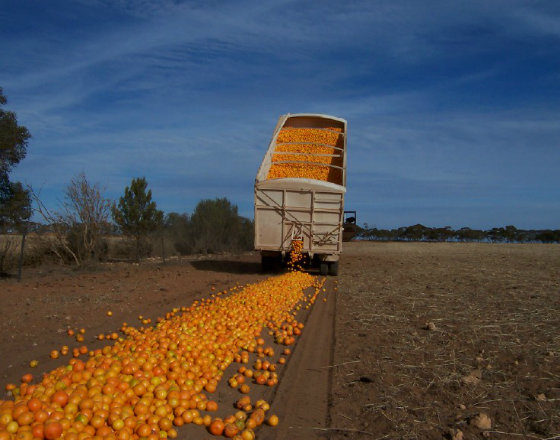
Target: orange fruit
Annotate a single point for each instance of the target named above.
(247, 434)
(216, 427)
(24, 435)
(52, 430)
(25, 418)
(27, 378)
(41, 416)
(211, 405)
(34, 404)
(230, 430)
(60, 397)
(144, 430)
(245, 388)
(38, 430)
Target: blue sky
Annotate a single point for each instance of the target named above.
(453, 106)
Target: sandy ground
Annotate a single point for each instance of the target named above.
(418, 341)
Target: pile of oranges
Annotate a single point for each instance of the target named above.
(329, 135)
(308, 153)
(158, 378)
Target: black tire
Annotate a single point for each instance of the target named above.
(333, 268)
(324, 268)
(271, 263)
(267, 264)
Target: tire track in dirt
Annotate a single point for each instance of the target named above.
(303, 397)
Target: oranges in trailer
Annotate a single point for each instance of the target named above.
(312, 153)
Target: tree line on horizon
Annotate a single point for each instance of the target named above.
(81, 230)
(419, 232)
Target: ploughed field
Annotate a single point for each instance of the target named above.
(411, 341)
(448, 340)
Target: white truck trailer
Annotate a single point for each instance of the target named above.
(299, 191)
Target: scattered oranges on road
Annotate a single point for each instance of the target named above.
(158, 378)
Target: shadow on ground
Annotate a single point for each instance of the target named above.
(243, 267)
(228, 266)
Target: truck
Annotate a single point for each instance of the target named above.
(299, 191)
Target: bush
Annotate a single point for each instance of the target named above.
(125, 248)
(9, 247)
(38, 251)
(215, 226)
(75, 238)
(178, 231)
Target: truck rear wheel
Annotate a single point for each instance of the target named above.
(324, 268)
(333, 268)
(267, 263)
(271, 263)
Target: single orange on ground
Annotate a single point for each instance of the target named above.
(26, 378)
(216, 427)
(230, 430)
(211, 405)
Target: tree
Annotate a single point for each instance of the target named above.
(468, 234)
(15, 203)
(86, 212)
(549, 236)
(496, 234)
(510, 233)
(216, 226)
(415, 232)
(16, 209)
(178, 228)
(136, 214)
(15, 213)
(79, 225)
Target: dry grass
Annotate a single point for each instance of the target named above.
(444, 332)
(38, 250)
